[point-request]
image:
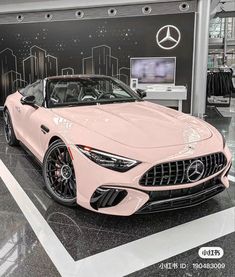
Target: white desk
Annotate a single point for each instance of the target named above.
(166, 98)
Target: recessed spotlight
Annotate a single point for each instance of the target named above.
(20, 18)
(146, 10)
(112, 12)
(79, 14)
(48, 16)
(184, 7)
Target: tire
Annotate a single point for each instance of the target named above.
(59, 175)
(9, 130)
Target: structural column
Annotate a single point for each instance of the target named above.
(201, 58)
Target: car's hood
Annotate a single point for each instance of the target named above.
(139, 124)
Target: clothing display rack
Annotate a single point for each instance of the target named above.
(219, 86)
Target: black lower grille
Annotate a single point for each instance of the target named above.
(181, 198)
(178, 172)
(107, 197)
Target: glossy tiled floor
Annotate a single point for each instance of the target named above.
(84, 233)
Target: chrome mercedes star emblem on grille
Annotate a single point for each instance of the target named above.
(168, 37)
(195, 171)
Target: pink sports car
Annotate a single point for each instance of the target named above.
(101, 146)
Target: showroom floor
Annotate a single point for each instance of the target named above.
(163, 244)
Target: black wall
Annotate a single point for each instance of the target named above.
(36, 50)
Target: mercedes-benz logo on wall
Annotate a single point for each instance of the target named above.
(168, 37)
(195, 171)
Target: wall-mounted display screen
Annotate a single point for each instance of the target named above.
(155, 70)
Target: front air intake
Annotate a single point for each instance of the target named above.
(181, 198)
(107, 197)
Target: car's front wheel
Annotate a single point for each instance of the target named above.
(9, 130)
(59, 175)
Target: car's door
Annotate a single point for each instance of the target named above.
(29, 123)
(17, 110)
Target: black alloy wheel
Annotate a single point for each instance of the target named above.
(9, 130)
(59, 175)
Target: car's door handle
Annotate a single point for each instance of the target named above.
(44, 129)
(18, 109)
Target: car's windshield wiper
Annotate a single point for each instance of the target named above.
(81, 104)
(74, 105)
(95, 103)
(118, 101)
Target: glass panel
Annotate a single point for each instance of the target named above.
(87, 91)
(216, 29)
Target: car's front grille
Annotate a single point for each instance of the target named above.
(177, 172)
(181, 198)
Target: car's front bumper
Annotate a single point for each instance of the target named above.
(91, 177)
(182, 198)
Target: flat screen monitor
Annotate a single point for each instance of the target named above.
(155, 70)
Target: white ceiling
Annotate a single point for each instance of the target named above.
(7, 6)
(77, 2)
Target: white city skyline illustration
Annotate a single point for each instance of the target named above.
(41, 64)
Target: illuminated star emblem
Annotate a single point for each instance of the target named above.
(168, 37)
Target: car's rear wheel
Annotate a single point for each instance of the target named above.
(9, 130)
(59, 175)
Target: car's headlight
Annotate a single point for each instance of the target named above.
(108, 160)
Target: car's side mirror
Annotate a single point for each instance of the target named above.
(28, 100)
(141, 93)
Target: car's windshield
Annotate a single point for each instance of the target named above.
(87, 91)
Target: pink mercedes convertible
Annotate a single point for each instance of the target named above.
(101, 146)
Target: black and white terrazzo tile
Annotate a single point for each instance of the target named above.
(84, 233)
